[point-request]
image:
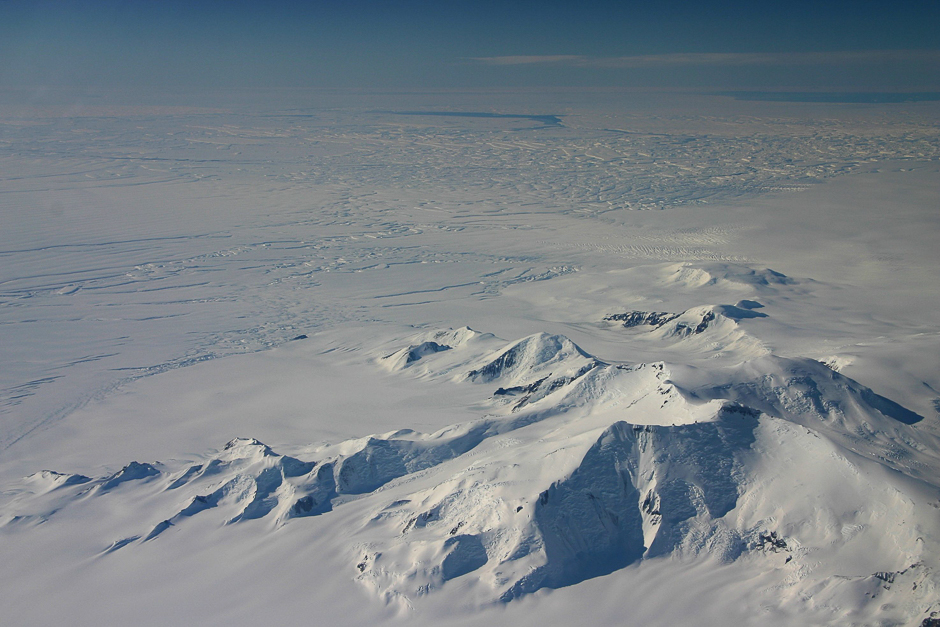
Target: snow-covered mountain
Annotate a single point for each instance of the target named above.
(297, 357)
(580, 468)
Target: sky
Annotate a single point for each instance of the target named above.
(862, 45)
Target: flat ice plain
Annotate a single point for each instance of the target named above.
(648, 359)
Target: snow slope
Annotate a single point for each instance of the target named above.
(590, 468)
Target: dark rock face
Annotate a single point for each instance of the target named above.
(632, 319)
(543, 387)
(685, 330)
(520, 389)
(423, 350)
(495, 368)
(708, 317)
(771, 542)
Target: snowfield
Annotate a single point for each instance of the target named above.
(653, 360)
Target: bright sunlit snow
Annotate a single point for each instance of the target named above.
(495, 358)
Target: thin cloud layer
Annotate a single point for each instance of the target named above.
(720, 59)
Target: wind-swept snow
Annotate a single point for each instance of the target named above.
(668, 365)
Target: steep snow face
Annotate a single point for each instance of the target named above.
(539, 354)
(731, 488)
(806, 392)
(638, 492)
(590, 468)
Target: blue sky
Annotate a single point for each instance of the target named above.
(837, 45)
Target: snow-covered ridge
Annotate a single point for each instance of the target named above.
(581, 468)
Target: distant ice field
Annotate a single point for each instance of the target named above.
(301, 271)
(837, 97)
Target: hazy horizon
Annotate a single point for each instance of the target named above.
(840, 46)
